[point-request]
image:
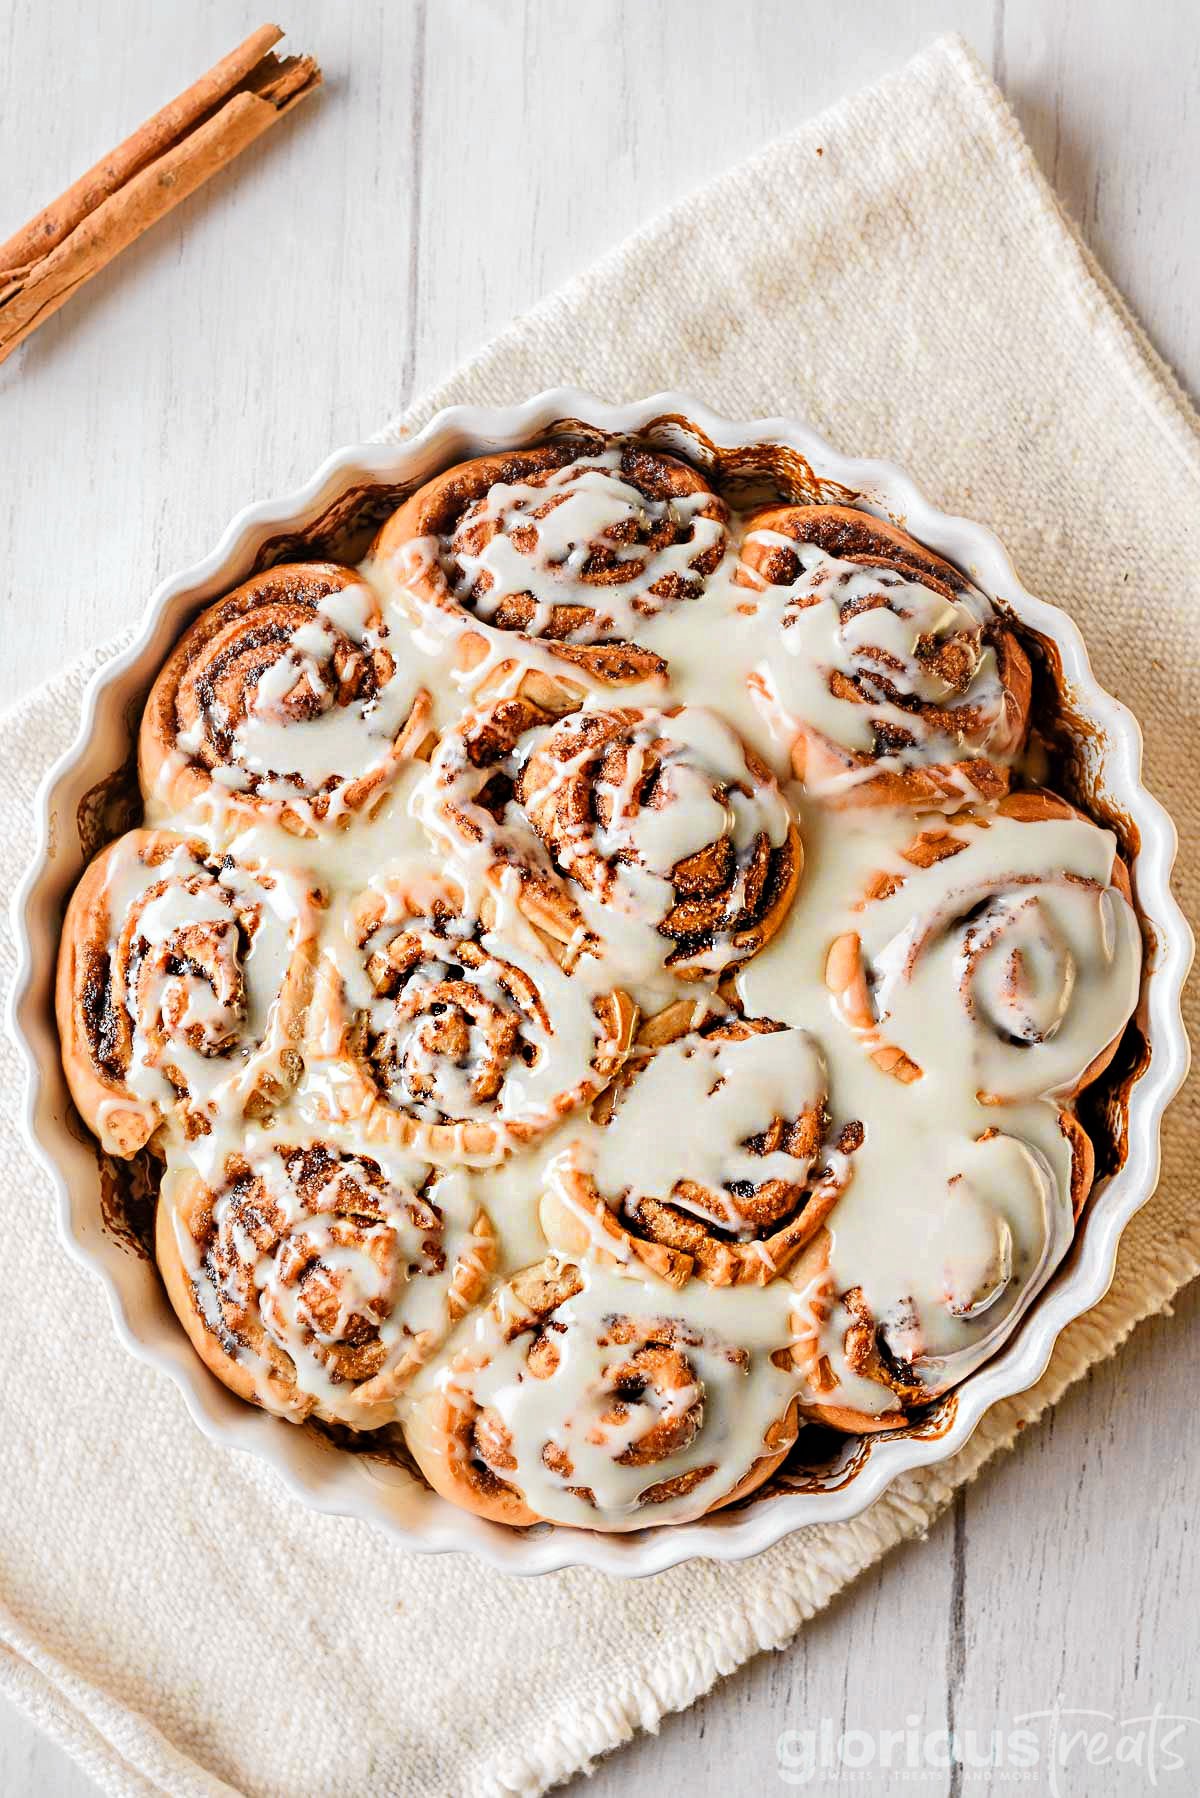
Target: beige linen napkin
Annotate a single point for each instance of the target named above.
(899, 274)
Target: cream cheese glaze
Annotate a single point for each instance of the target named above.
(618, 1406)
(738, 1088)
(602, 683)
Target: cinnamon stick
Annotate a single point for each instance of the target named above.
(165, 160)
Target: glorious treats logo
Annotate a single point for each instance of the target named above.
(1057, 1750)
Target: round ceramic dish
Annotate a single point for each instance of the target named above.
(346, 490)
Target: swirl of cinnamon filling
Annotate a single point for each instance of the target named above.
(732, 1202)
(671, 825)
(283, 702)
(1005, 943)
(571, 545)
(455, 1034)
(183, 981)
(576, 1399)
(895, 679)
(315, 1281)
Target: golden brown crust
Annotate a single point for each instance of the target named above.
(274, 1389)
(473, 778)
(1083, 1160)
(856, 536)
(812, 1279)
(94, 1045)
(446, 508)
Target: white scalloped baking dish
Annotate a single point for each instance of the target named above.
(1110, 749)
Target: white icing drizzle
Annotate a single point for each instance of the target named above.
(999, 975)
(350, 1265)
(1023, 930)
(467, 1023)
(321, 721)
(622, 857)
(202, 952)
(829, 621)
(540, 539)
(503, 660)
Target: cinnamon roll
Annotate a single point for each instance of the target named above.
(673, 827)
(733, 1202)
(315, 1281)
(183, 981)
(467, 800)
(1004, 943)
(571, 546)
(896, 681)
(287, 701)
(1005, 1216)
(586, 1398)
(452, 1033)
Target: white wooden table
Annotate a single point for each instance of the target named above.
(344, 264)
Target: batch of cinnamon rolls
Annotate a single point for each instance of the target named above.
(595, 986)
